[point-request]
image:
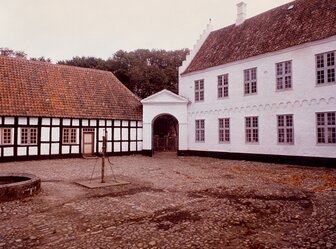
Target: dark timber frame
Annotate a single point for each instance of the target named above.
(124, 137)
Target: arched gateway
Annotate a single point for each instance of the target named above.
(164, 122)
(165, 133)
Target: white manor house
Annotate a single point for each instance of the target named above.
(261, 89)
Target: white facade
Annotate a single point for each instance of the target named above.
(303, 101)
(161, 103)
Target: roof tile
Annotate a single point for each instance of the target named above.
(276, 29)
(30, 88)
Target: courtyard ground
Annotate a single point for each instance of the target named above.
(173, 202)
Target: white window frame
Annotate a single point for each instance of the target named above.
(325, 64)
(32, 136)
(285, 123)
(284, 76)
(224, 130)
(69, 136)
(199, 130)
(326, 128)
(199, 90)
(223, 86)
(250, 81)
(252, 129)
(3, 136)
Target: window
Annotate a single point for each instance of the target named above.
(251, 129)
(326, 127)
(29, 136)
(5, 136)
(284, 75)
(250, 81)
(325, 68)
(200, 131)
(199, 90)
(224, 129)
(223, 86)
(69, 135)
(285, 129)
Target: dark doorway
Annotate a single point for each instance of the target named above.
(165, 133)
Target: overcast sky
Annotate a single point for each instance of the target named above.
(61, 29)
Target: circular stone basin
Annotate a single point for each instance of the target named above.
(17, 186)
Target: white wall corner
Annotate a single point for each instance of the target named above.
(196, 48)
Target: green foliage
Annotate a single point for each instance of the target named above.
(11, 53)
(21, 54)
(143, 71)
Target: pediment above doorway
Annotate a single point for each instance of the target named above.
(164, 104)
(164, 96)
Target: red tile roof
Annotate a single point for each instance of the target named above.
(30, 88)
(276, 29)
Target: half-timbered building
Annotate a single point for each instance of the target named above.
(56, 111)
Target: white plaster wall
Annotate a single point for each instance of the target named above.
(66, 122)
(124, 134)
(133, 146)
(45, 121)
(23, 121)
(85, 122)
(303, 101)
(9, 120)
(8, 151)
(55, 134)
(65, 149)
(45, 134)
(55, 121)
(116, 146)
(45, 149)
(75, 149)
(116, 133)
(133, 133)
(32, 150)
(54, 149)
(33, 121)
(22, 151)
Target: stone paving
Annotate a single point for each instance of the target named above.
(173, 202)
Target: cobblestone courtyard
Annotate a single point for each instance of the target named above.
(173, 202)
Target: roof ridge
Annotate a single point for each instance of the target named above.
(273, 30)
(52, 64)
(30, 88)
(258, 15)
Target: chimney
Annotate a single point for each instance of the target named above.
(241, 13)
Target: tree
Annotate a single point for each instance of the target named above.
(143, 71)
(40, 59)
(11, 53)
